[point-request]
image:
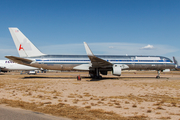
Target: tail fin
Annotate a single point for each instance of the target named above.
(175, 61)
(24, 46)
(177, 67)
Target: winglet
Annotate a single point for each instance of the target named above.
(88, 50)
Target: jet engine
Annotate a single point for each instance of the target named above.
(116, 70)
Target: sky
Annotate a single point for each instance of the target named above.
(113, 27)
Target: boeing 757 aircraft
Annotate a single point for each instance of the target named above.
(96, 65)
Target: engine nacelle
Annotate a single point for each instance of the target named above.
(116, 70)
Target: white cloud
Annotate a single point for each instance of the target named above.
(148, 47)
(111, 47)
(106, 48)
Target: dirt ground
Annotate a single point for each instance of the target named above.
(134, 95)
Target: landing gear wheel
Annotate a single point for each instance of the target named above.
(98, 77)
(157, 77)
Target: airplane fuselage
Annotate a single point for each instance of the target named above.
(68, 62)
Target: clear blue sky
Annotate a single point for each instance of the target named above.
(143, 27)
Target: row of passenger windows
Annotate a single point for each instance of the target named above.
(115, 60)
(138, 61)
(62, 60)
(9, 62)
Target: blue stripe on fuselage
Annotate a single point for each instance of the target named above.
(133, 61)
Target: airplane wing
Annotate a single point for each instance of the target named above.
(20, 60)
(96, 62)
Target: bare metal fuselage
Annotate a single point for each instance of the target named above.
(68, 62)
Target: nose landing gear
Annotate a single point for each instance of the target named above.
(158, 76)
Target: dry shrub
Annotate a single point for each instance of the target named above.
(116, 103)
(85, 103)
(47, 102)
(68, 111)
(149, 111)
(158, 113)
(55, 97)
(103, 99)
(141, 117)
(80, 96)
(118, 106)
(29, 93)
(39, 96)
(134, 105)
(86, 94)
(99, 102)
(113, 100)
(93, 104)
(71, 96)
(88, 107)
(2, 85)
(165, 118)
(173, 104)
(160, 108)
(110, 104)
(101, 114)
(75, 101)
(126, 102)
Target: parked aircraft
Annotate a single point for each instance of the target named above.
(7, 65)
(96, 65)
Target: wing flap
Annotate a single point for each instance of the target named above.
(98, 62)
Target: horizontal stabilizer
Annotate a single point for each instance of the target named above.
(20, 60)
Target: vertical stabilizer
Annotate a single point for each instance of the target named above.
(175, 61)
(24, 46)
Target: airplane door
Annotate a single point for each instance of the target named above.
(132, 62)
(42, 60)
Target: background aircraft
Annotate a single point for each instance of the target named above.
(6, 65)
(96, 65)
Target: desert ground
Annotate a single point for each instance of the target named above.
(134, 95)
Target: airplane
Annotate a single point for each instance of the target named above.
(95, 64)
(7, 65)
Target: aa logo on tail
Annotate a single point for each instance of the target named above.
(20, 47)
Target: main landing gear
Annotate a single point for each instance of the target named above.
(158, 76)
(95, 74)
